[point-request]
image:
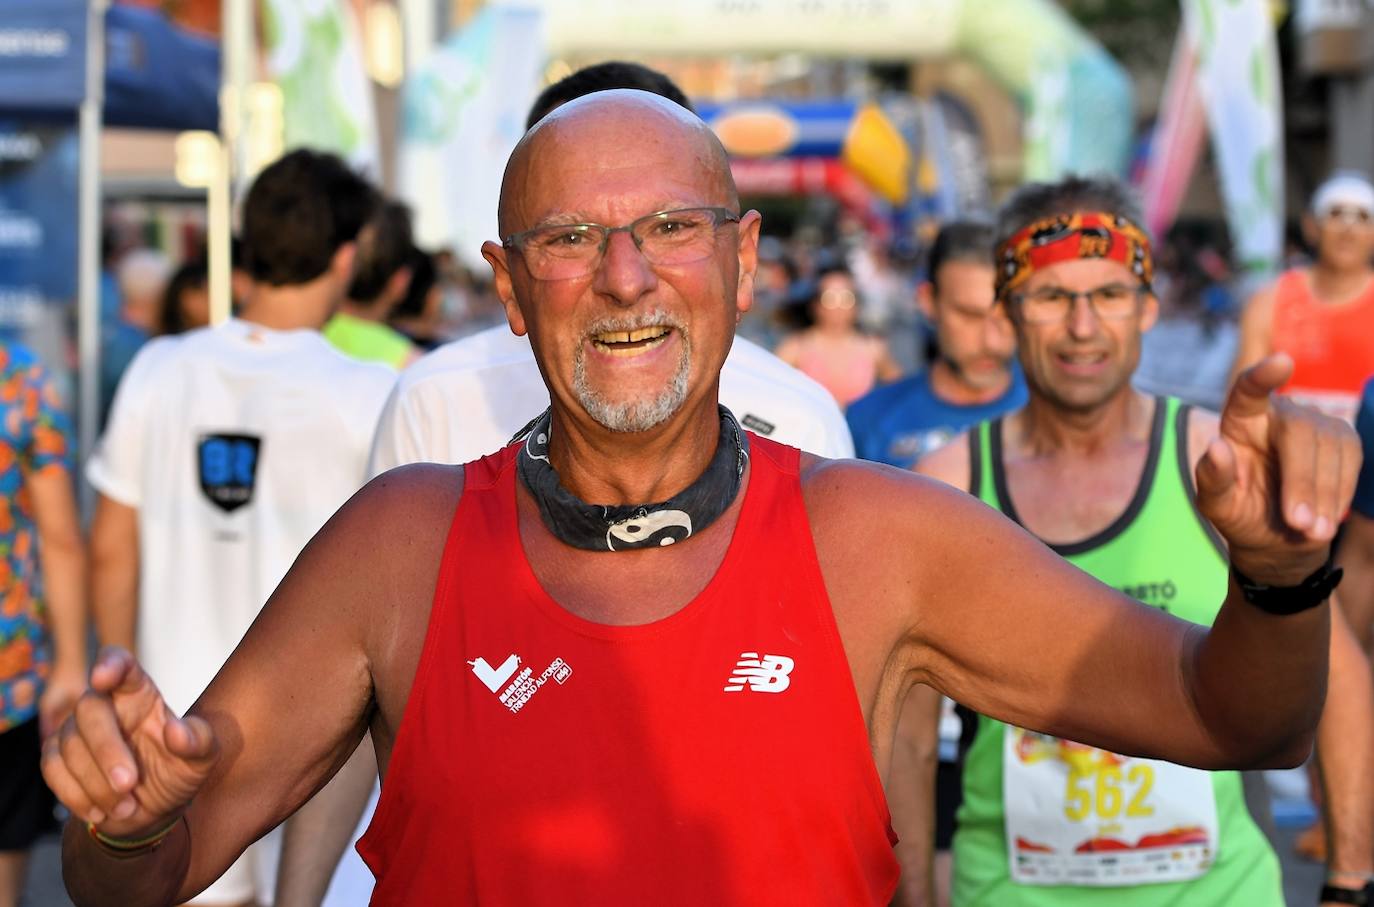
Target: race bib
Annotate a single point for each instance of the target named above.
(1078, 815)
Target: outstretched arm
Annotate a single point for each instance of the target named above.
(1042, 645)
(279, 719)
(1345, 752)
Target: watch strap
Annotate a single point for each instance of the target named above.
(1285, 600)
(1361, 897)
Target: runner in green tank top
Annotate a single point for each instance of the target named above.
(1103, 474)
(381, 277)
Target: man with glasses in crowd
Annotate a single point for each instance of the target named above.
(1103, 474)
(1323, 315)
(644, 656)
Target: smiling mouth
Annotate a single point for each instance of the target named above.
(1081, 358)
(629, 343)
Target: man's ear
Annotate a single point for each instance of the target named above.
(925, 300)
(341, 265)
(397, 284)
(1149, 312)
(748, 254)
(495, 254)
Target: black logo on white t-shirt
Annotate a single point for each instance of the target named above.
(228, 469)
(755, 424)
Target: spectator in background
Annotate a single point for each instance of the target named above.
(973, 376)
(1323, 315)
(141, 276)
(42, 615)
(381, 279)
(833, 351)
(1189, 352)
(603, 77)
(186, 303)
(420, 316)
(228, 447)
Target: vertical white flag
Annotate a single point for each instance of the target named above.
(463, 112)
(1238, 73)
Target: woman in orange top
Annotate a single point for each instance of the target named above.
(1323, 315)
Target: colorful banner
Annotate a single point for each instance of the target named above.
(315, 58)
(1238, 73)
(1176, 142)
(462, 113)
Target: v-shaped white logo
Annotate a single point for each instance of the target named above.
(495, 678)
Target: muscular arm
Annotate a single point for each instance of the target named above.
(62, 555)
(1037, 643)
(1356, 556)
(1345, 751)
(114, 573)
(911, 794)
(333, 650)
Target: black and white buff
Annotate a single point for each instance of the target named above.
(625, 527)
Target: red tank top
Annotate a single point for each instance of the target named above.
(1332, 345)
(715, 757)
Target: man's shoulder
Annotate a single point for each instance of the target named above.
(904, 392)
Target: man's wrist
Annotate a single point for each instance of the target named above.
(1292, 597)
(1279, 572)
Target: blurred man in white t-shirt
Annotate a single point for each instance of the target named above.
(228, 447)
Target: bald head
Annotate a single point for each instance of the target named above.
(590, 136)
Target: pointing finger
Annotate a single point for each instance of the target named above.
(1250, 395)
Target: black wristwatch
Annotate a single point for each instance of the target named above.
(1284, 600)
(1361, 897)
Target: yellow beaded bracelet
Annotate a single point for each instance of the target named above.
(130, 847)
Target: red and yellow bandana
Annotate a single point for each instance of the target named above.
(1065, 237)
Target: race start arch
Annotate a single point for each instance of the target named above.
(1078, 100)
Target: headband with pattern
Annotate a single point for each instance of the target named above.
(1065, 237)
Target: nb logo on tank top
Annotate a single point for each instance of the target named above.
(769, 674)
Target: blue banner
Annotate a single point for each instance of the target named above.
(39, 177)
(42, 54)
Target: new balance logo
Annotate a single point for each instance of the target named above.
(495, 678)
(769, 674)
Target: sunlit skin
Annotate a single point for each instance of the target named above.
(1080, 363)
(613, 181)
(975, 337)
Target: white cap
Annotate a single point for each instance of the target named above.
(1344, 189)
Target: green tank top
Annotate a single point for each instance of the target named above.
(367, 340)
(1079, 826)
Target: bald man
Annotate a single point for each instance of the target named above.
(684, 691)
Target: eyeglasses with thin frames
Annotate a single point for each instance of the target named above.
(1050, 305)
(677, 237)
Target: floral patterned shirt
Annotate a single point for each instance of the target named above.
(35, 434)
